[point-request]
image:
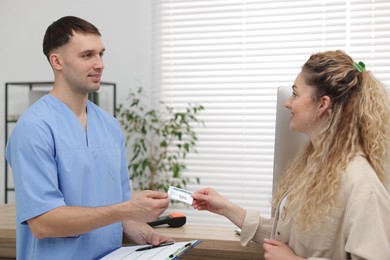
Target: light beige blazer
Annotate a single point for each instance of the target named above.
(360, 226)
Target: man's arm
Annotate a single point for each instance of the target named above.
(67, 221)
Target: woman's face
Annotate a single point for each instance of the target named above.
(304, 110)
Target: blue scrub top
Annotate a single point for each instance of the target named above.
(56, 162)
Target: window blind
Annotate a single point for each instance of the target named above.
(231, 56)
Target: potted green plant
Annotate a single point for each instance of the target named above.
(159, 141)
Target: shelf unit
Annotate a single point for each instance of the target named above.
(12, 119)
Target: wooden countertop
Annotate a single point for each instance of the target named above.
(7, 231)
(217, 242)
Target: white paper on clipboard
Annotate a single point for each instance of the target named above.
(158, 253)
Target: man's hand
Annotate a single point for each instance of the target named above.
(147, 206)
(142, 233)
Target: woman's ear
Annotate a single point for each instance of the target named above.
(325, 103)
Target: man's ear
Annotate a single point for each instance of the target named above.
(55, 61)
(325, 104)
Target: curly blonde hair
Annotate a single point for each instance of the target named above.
(359, 120)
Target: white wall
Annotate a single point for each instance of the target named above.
(126, 33)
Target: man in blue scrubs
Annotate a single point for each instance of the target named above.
(69, 163)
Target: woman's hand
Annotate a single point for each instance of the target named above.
(277, 250)
(209, 199)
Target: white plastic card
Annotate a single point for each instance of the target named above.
(180, 195)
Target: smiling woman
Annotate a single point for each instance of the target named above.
(232, 57)
(322, 201)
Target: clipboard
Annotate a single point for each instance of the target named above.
(183, 250)
(170, 252)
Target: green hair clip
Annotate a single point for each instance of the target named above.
(359, 66)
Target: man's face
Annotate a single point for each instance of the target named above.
(82, 63)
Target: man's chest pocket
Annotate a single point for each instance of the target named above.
(77, 166)
(113, 160)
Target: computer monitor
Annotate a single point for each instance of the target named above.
(287, 142)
